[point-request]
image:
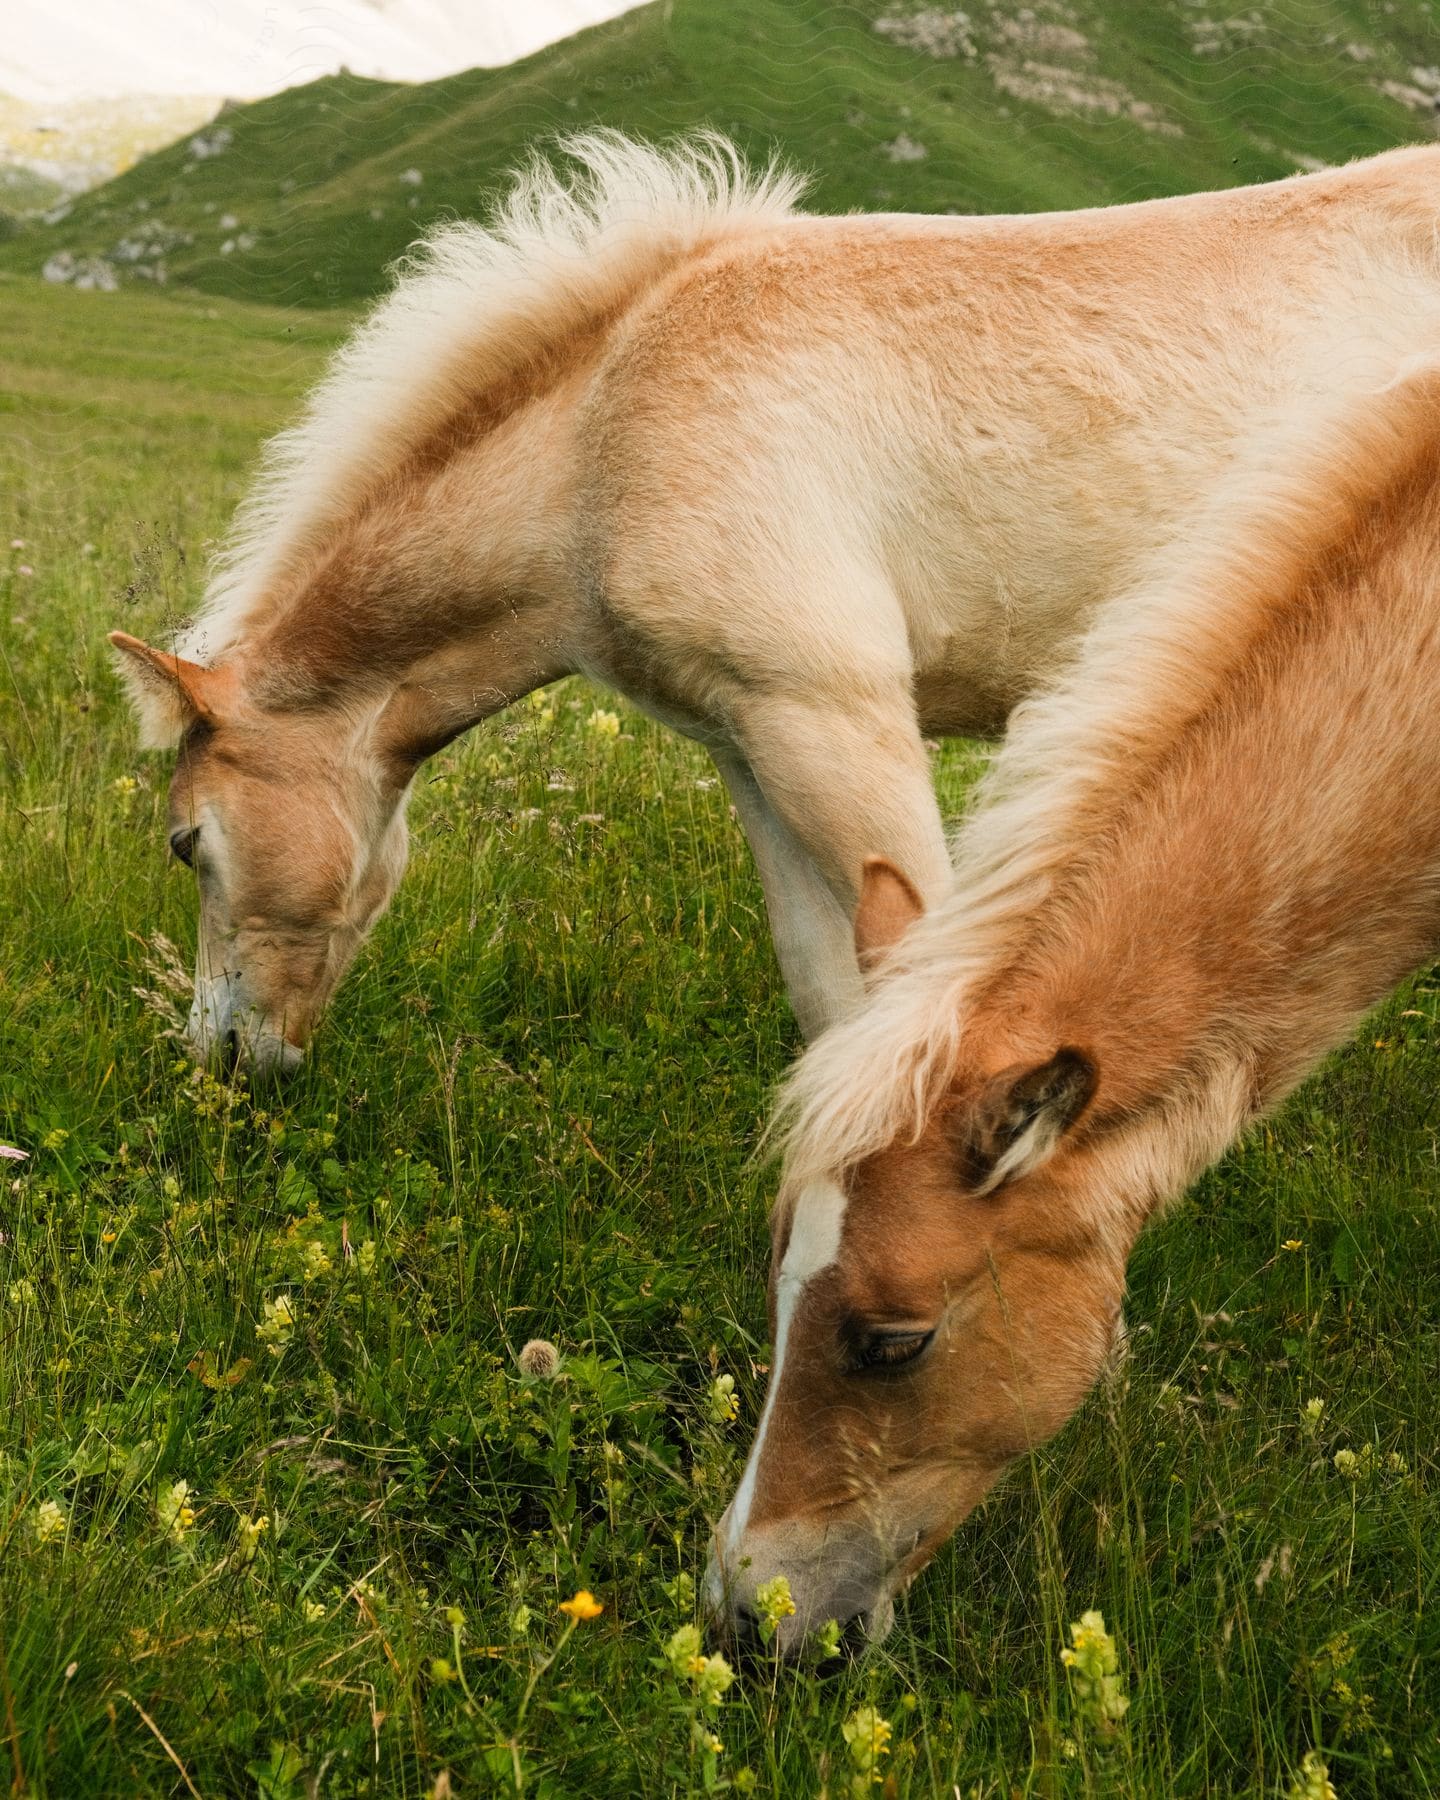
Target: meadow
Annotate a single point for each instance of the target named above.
(283, 1515)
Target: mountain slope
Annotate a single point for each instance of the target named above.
(304, 198)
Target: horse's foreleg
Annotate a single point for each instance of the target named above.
(810, 928)
(842, 783)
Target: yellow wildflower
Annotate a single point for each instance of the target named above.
(1093, 1663)
(683, 1649)
(681, 1591)
(49, 1522)
(278, 1325)
(314, 1261)
(604, 724)
(1293, 1244)
(712, 1678)
(247, 1538)
(174, 1511)
(709, 1676)
(583, 1605)
(868, 1736)
(1313, 1782)
(722, 1403)
(772, 1604)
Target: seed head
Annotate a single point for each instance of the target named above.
(540, 1358)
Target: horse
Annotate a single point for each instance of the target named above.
(1200, 857)
(808, 489)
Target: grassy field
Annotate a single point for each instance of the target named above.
(531, 1113)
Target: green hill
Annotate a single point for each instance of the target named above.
(305, 197)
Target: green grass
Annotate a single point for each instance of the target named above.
(536, 1100)
(314, 176)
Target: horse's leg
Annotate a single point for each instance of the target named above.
(811, 930)
(843, 783)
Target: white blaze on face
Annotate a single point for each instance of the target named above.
(814, 1244)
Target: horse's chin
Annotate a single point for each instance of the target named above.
(269, 1054)
(266, 1055)
(222, 1033)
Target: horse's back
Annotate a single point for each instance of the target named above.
(881, 437)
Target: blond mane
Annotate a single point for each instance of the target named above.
(473, 304)
(1140, 676)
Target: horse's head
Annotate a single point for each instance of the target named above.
(936, 1310)
(292, 817)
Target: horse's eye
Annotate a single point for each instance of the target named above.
(889, 1349)
(182, 846)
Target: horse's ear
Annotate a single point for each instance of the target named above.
(1019, 1118)
(889, 906)
(167, 692)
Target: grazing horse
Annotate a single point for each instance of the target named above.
(1198, 860)
(805, 488)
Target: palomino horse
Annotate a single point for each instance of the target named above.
(1197, 861)
(804, 487)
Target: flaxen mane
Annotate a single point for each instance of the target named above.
(473, 304)
(1074, 755)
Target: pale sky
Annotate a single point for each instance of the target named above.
(53, 50)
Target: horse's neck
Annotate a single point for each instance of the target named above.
(1279, 871)
(454, 582)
